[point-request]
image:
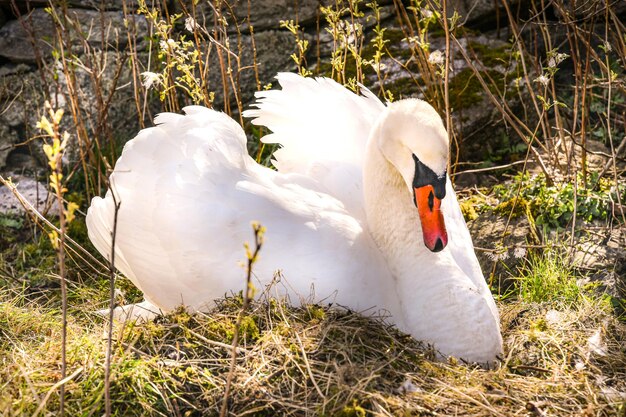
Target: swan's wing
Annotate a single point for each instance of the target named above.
(188, 193)
(156, 184)
(322, 128)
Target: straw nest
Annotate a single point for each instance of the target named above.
(312, 360)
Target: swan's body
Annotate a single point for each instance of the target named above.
(341, 222)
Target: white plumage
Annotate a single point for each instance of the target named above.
(341, 221)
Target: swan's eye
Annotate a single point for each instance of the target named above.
(431, 200)
(426, 176)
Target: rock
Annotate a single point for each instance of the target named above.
(22, 97)
(38, 27)
(473, 113)
(105, 4)
(498, 255)
(588, 9)
(27, 5)
(273, 54)
(273, 49)
(21, 161)
(33, 191)
(481, 12)
(267, 14)
(600, 252)
(263, 15)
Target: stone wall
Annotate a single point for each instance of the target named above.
(103, 62)
(105, 65)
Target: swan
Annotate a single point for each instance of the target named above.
(359, 212)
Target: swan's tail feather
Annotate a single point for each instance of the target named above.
(140, 312)
(100, 218)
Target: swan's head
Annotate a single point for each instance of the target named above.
(412, 138)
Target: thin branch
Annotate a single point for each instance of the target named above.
(32, 210)
(247, 296)
(107, 363)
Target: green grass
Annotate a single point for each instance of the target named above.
(549, 276)
(310, 360)
(553, 206)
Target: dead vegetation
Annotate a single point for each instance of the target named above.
(311, 360)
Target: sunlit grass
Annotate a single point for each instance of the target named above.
(549, 276)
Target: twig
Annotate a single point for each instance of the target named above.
(492, 411)
(308, 366)
(469, 171)
(506, 114)
(609, 76)
(609, 164)
(247, 295)
(32, 210)
(54, 154)
(446, 76)
(215, 342)
(531, 368)
(107, 363)
(574, 215)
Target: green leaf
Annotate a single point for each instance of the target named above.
(11, 222)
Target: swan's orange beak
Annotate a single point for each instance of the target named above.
(433, 226)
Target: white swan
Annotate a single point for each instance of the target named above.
(340, 213)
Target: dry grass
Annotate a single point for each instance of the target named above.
(312, 360)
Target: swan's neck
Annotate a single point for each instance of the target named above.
(393, 219)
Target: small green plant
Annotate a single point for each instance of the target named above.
(302, 44)
(181, 61)
(346, 61)
(54, 148)
(244, 325)
(548, 277)
(554, 206)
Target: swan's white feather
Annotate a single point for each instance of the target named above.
(322, 128)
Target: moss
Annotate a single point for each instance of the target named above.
(468, 210)
(395, 44)
(404, 87)
(515, 207)
(314, 313)
(36, 259)
(249, 330)
(491, 56)
(352, 410)
(77, 230)
(466, 90)
(220, 329)
(11, 230)
(325, 69)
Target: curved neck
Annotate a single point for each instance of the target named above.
(393, 219)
